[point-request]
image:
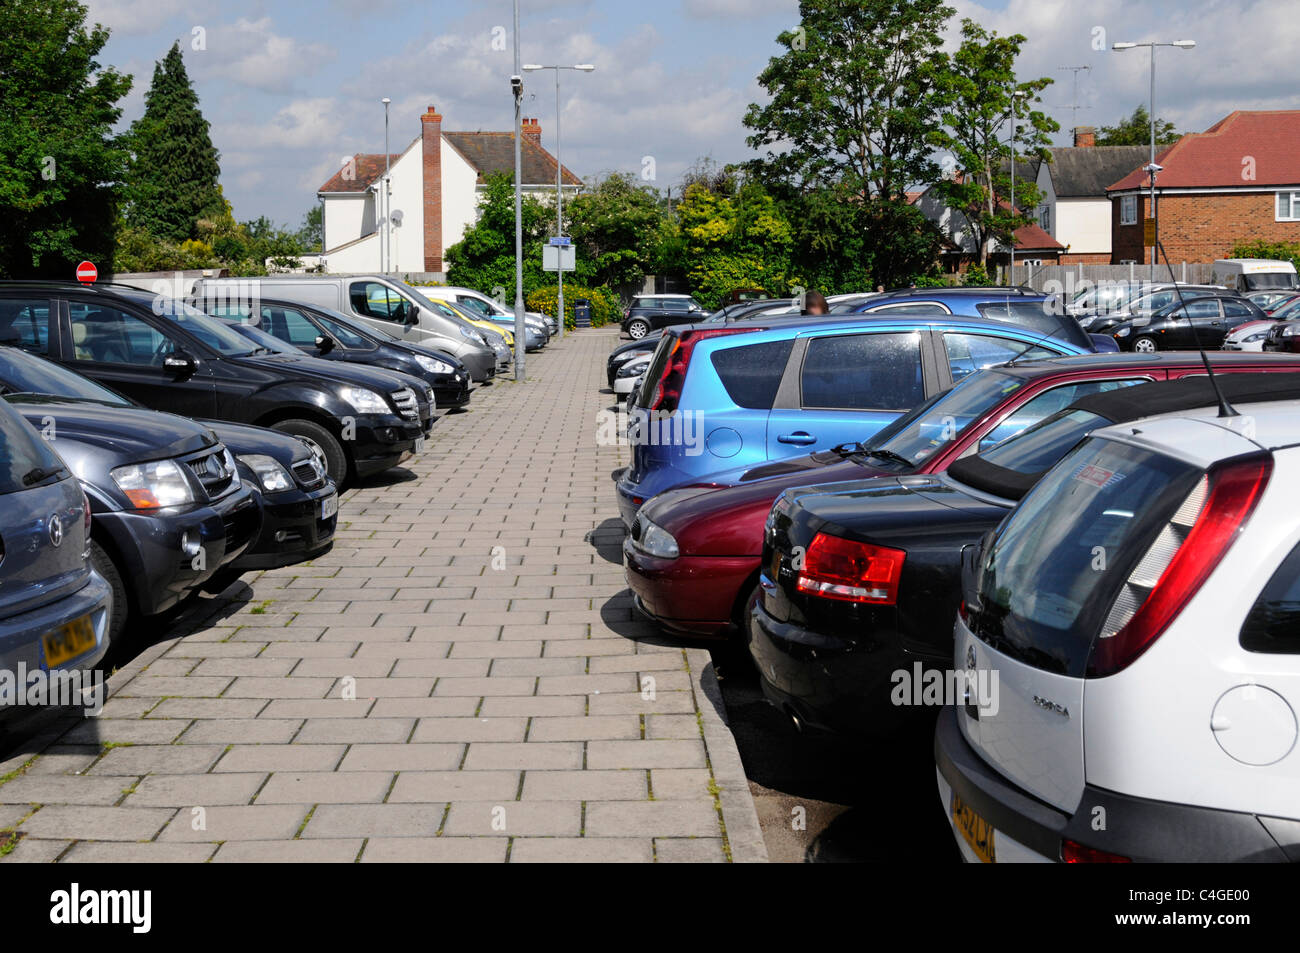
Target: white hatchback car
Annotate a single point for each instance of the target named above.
(1248, 337)
(1141, 608)
(628, 375)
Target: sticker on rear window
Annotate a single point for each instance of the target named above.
(1099, 477)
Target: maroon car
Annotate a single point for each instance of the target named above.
(692, 556)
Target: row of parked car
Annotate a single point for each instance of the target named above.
(999, 505)
(153, 447)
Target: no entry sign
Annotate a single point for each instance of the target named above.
(87, 272)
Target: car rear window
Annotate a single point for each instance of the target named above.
(22, 453)
(1273, 625)
(1050, 576)
(752, 373)
(1045, 315)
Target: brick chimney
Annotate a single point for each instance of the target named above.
(431, 163)
(533, 131)
(1085, 137)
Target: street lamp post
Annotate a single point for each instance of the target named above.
(559, 193)
(385, 250)
(521, 330)
(1015, 120)
(1152, 168)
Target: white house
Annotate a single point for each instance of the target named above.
(433, 191)
(1075, 209)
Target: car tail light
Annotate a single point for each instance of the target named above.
(837, 568)
(1179, 561)
(85, 509)
(668, 389)
(1072, 852)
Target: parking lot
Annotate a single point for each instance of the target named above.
(461, 678)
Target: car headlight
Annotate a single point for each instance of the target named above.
(634, 369)
(152, 486)
(1122, 332)
(656, 541)
(270, 474)
(364, 401)
(471, 335)
(1290, 330)
(433, 365)
(1257, 336)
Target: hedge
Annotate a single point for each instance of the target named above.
(604, 304)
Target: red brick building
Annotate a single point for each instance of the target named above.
(1237, 181)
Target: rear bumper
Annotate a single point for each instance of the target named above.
(1137, 828)
(292, 530)
(690, 595)
(157, 567)
(830, 683)
(21, 635)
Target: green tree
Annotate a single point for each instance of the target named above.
(58, 159)
(311, 236)
(741, 240)
(615, 226)
(1135, 130)
(979, 84)
(172, 181)
(485, 257)
(853, 97)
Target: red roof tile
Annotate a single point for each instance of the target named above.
(1266, 142)
(1032, 237)
(369, 167)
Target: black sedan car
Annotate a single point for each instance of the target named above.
(1195, 322)
(861, 581)
(168, 356)
(169, 513)
(321, 332)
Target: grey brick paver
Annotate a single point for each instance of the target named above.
(508, 705)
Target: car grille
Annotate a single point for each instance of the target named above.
(406, 403)
(214, 472)
(309, 473)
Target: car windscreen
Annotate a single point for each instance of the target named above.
(224, 340)
(25, 460)
(1011, 468)
(1273, 279)
(1042, 599)
(22, 373)
(262, 338)
(918, 434)
(1044, 316)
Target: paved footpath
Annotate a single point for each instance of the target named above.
(461, 679)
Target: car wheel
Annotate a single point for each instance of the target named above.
(1145, 345)
(120, 607)
(322, 442)
(637, 330)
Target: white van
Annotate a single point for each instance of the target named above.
(1254, 274)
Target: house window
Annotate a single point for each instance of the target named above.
(1128, 210)
(1045, 218)
(1288, 206)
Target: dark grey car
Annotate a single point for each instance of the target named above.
(54, 608)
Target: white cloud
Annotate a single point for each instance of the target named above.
(250, 53)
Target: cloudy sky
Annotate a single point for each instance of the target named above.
(291, 87)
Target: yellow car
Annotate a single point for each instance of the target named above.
(498, 328)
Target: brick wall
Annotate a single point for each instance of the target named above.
(431, 152)
(1096, 258)
(1202, 227)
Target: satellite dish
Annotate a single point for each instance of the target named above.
(396, 217)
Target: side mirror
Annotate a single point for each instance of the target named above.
(412, 316)
(325, 344)
(180, 363)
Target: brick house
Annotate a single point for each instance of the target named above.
(1237, 181)
(436, 183)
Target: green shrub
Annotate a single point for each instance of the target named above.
(1275, 251)
(604, 303)
(976, 277)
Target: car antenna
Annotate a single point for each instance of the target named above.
(1225, 409)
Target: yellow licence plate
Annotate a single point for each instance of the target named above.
(977, 832)
(68, 641)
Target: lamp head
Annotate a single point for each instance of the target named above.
(1122, 46)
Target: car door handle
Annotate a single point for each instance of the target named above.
(798, 437)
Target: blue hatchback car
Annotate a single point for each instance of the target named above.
(718, 398)
(54, 607)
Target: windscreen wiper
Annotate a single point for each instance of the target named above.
(889, 455)
(38, 474)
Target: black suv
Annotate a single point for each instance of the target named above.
(168, 356)
(652, 312)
